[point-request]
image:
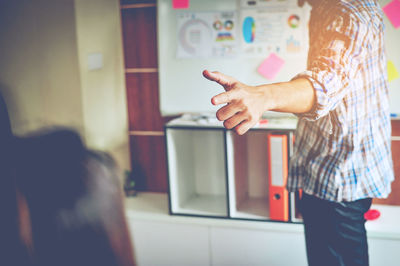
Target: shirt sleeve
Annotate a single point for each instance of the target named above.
(333, 62)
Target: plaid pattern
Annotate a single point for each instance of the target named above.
(342, 150)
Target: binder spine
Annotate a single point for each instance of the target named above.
(278, 171)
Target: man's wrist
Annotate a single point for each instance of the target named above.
(270, 96)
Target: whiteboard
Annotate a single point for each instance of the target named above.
(182, 87)
(392, 43)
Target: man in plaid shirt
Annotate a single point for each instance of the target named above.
(342, 154)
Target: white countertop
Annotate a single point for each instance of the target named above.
(154, 207)
(148, 206)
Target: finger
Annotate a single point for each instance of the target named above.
(234, 120)
(228, 111)
(244, 127)
(225, 97)
(218, 77)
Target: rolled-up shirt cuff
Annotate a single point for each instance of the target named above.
(320, 107)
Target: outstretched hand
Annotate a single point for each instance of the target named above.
(244, 104)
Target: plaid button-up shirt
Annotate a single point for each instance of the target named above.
(342, 147)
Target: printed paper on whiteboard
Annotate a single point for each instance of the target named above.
(279, 28)
(207, 34)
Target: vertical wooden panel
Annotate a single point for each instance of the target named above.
(394, 197)
(142, 95)
(396, 128)
(143, 102)
(149, 163)
(139, 30)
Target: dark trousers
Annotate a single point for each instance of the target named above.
(335, 231)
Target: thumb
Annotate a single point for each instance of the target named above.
(222, 79)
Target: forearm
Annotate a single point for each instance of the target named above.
(296, 96)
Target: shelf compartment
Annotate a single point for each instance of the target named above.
(248, 175)
(295, 214)
(197, 171)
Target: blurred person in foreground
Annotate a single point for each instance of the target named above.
(69, 200)
(342, 153)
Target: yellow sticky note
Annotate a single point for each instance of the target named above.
(392, 71)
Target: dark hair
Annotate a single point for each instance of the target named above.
(74, 201)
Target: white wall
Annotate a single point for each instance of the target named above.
(44, 76)
(98, 30)
(38, 64)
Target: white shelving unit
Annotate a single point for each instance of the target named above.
(215, 172)
(197, 172)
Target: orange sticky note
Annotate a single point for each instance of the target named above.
(392, 71)
(271, 66)
(180, 4)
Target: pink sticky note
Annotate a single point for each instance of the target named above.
(271, 66)
(392, 11)
(180, 4)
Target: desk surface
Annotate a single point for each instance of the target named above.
(154, 207)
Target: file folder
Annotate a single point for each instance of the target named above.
(278, 171)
